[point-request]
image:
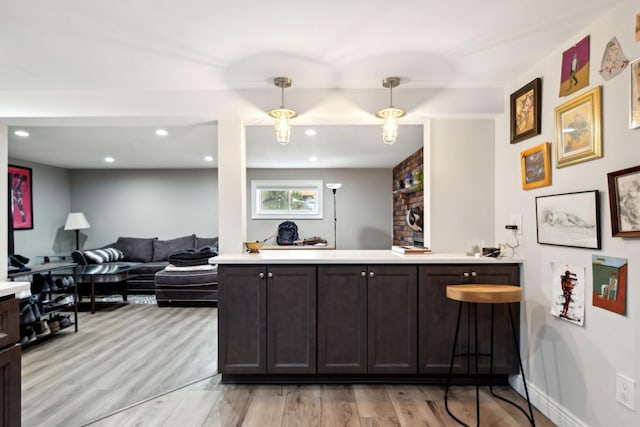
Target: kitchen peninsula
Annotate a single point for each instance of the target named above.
(353, 316)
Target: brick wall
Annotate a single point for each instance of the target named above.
(402, 233)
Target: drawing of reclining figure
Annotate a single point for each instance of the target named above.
(554, 218)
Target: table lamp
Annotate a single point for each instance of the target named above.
(77, 221)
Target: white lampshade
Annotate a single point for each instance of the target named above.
(334, 186)
(76, 221)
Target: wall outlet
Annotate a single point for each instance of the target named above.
(516, 219)
(626, 391)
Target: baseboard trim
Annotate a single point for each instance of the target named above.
(543, 403)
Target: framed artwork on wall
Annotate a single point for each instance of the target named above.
(574, 74)
(535, 164)
(21, 197)
(624, 202)
(569, 219)
(525, 106)
(578, 129)
(634, 92)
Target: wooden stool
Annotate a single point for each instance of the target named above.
(485, 294)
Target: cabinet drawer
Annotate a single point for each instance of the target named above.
(9, 322)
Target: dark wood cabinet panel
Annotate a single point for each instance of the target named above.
(342, 319)
(392, 319)
(437, 319)
(9, 322)
(242, 319)
(291, 320)
(10, 386)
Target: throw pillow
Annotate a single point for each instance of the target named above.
(201, 242)
(136, 249)
(98, 256)
(162, 248)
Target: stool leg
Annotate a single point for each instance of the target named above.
(453, 355)
(524, 381)
(476, 350)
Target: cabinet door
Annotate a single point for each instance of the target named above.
(242, 319)
(342, 319)
(10, 400)
(9, 322)
(392, 317)
(291, 320)
(438, 314)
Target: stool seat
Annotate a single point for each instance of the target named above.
(485, 293)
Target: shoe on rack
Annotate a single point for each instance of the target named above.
(71, 280)
(26, 314)
(42, 329)
(37, 284)
(54, 326)
(33, 300)
(51, 283)
(65, 321)
(59, 284)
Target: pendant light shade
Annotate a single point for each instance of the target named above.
(283, 115)
(391, 114)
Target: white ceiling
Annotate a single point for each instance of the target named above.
(91, 78)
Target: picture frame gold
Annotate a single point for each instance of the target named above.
(535, 164)
(525, 106)
(624, 202)
(578, 127)
(634, 95)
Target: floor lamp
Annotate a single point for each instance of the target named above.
(333, 188)
(76, 221)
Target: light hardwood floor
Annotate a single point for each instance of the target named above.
(131, 354)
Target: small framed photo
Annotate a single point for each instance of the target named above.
(634, 92)
(536, 166)
(21, 197)
(624, 201)
(578, 129)
(570, 219)
(526, 111)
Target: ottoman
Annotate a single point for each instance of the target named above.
(196, 287)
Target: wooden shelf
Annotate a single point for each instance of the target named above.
(405, 194)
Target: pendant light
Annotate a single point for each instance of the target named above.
(391, 114)
(282, 114)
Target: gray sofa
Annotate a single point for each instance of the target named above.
(151, 253)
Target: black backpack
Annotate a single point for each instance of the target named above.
(287, 233)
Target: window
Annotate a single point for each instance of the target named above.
(286, 199)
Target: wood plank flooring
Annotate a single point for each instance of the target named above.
(136, 352)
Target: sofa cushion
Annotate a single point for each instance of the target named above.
(98, 256)
(162, 248)
(136, 249)
(150, 268)
(201, 242)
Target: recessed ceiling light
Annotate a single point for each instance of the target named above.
(208, 158)
(313, 159)
(310, 132)
(109, 159)
(22, 133)
(162, 132)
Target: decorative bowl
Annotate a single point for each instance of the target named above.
(254, 246)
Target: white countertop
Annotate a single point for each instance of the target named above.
(20, 289)
(354, 257)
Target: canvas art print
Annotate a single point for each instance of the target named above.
(575, 68)
(567, 292)
(21, 197)
(634, 89)
(613, 60)
(610, 283)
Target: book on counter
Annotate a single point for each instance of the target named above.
(410, 249)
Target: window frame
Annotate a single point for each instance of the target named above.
(258, 186)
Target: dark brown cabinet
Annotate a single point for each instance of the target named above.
(392, 319)
(437, 319)
(267, 319)
(10, 363)
(367, 319)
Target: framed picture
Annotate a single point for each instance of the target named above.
(624, 201)
(579, 129)
(574, 74)
(536, 166)
(569, 219)
(634, 92)
(525, 111)
(21, 197)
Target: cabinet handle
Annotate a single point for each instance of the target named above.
(465, 274)
(474, 274)
(261, 275)
(363, 273)
(371, 274)
(269, 275)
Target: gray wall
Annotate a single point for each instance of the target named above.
(51, 204)
(145, 203)
(363, 207)
(461, 171)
